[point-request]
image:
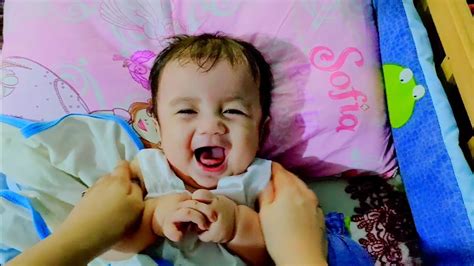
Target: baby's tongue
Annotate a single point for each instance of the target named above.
(212, 156)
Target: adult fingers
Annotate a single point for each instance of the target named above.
(136, 192)
(301, 184)
(122, 170)
(281, 177)
(203, 195)
(267, 195)
(284, 180)
(303, 190)
(203, 208)
(137, 173)
(320, 216)
(96, 185)
(121, 175)
(102, 179)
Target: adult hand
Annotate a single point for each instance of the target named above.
(108, 210)
(289, 214)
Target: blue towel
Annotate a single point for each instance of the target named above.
(342, 250)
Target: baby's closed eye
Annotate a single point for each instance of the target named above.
(234, 112)
(187, 111)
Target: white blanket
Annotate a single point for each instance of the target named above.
(52, 163)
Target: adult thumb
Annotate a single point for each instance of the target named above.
(267, 196)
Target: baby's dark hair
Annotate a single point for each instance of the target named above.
(206, 50)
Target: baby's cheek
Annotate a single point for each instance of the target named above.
(253, 139)
(245, 155)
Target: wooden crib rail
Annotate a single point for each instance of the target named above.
(454, 26)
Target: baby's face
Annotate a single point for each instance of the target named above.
(209, 121)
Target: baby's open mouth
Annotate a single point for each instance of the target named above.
(210, 156)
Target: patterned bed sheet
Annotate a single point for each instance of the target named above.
(377, 215)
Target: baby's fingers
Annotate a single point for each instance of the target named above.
(203, 195)
(207, 236)
(171, 231)
(187, 215)
(215, 234)
(203, 208)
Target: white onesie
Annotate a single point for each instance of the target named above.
(243, 189)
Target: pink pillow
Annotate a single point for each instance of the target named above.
(328, 110)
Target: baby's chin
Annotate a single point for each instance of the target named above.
(197, 179)
(203, 181)
(207, 182)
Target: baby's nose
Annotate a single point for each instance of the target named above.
(212, 126)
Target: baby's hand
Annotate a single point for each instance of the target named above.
(219, 211)
(164, 208)
(183, 220)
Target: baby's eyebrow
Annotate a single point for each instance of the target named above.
(179, 100)
(245, 102)
(235, 98)
(242, 100)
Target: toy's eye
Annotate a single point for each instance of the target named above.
(406, 75)
(418, 92)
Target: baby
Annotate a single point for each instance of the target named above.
(211, 101)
